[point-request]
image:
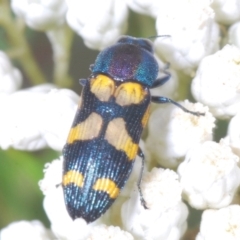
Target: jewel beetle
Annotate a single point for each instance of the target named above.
(104, 138)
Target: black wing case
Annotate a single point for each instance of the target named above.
(102, 145)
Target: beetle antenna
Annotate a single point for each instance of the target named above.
(159, 36)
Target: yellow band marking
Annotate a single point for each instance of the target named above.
(146, 117)
(117, 136)
(86, 130)
(73, 177)
(80, 103)
(129, 93)
(103, 87)
(108, 186)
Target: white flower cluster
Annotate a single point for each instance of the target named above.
(27, 230)
(193, 33)
(97, 23)
(41, 14)
(207, 173)
(172, 132)
(37, 117)
(217, 167)
(222, 224)
(219, 73)
(162, 193)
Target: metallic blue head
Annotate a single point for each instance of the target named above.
(129, 59)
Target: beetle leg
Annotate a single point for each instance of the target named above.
(159, 99)
(141, 155)
(162, 80)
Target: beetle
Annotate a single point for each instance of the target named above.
(104, 138)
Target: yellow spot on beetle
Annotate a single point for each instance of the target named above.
(73, 177)
(117, 136)
(103, 87)
(86, 130)
(80, 103)
(108, 186)
(130, 93)
(146, 117)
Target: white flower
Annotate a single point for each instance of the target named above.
(103, 232)
(227, 12)
(217, 82)
(222, 224)
(52, 176)
(171, 132)
(99, 23)
(193, 33)
(60, 107)
(166, 215)
(210, 175)
(27, 230)
(40, 14)
(21, 119)
(233, 135)
(234, 34)
(161, 189)
(10, 77)
(36, 117)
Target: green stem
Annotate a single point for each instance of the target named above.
(61, 40)
(18, 41)
(184, 86)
